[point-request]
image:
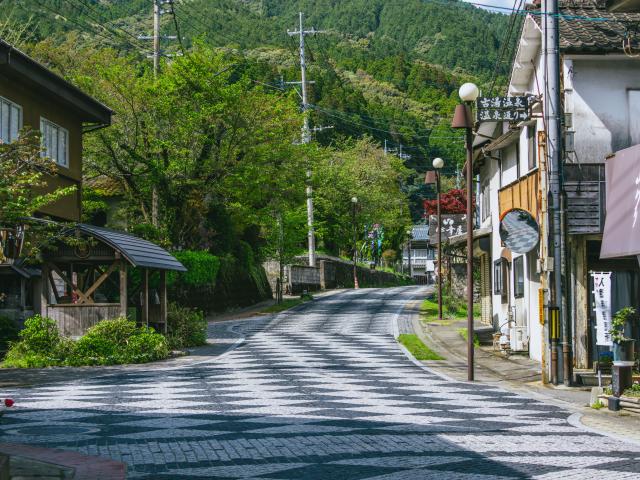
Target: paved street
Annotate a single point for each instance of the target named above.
(321, 392)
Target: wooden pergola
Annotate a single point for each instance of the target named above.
(82, 285)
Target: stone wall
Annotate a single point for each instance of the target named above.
(300, 278)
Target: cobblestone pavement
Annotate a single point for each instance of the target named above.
(320, 392)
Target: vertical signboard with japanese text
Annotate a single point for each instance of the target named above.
(452, 225)
(493, 109)
(602, 306)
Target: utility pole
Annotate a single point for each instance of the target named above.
(306, 132)
(553, 112)
(157, 53)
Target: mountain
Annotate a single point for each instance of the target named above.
(386, 68)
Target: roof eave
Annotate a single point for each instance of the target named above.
(19, 64)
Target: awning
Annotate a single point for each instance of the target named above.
(137, 251)
(504, 140)
(462, 239)
(621, 236)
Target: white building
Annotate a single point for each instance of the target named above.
(601, 98)
(422, 259)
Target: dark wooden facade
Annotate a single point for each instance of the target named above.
(40, 94)
(584, 186)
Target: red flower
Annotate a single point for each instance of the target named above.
(8, 402)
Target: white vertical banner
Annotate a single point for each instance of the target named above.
(602, 306)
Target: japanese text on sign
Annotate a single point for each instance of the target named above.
(602, 307)
(502, 109)
(452, 225)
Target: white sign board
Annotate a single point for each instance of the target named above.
(602, 306)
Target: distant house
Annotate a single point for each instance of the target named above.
(601, 101)
(32, 95)
(418, 256)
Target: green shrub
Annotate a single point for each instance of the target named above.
(202, 268)
(9, 333)
(195, 287)
(40, 335)
(117, 341)
(110, 342)
(145, 346)
(187, 327)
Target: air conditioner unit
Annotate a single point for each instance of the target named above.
(519, 339)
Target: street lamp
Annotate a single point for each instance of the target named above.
(462, 119)
(410, 237)
(438, 163)
(354, 203)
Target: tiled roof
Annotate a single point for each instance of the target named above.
(587, 28)
(420, 233)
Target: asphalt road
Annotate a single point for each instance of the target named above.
(320, 392)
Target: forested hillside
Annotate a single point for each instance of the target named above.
(206, 153)
(386, 68)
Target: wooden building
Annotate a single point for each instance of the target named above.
(82, 285)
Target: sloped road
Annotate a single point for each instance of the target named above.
(321, 392)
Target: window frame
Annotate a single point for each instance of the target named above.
(532, 147)
(44, 123)
(10, 104)
(498, 285)
(518, 268)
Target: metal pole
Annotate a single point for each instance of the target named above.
(470, 332)
(306, 138)
(355, 247)
(409, 253)
(553, 113)
(156, 36)
(439, 247)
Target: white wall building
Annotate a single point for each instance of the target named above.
(601, 97)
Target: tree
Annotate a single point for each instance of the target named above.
(24, 187)
(453, 201)
(361, 169)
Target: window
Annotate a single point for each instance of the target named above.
(10, 120)
(518, 277)
(55, 142)
(501, 279)
(486, 200)
(531, 145)
(634, 116)
(497, 277)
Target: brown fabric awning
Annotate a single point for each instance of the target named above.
(621, 236)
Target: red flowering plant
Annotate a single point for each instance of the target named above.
(5, 405)
(453, 201)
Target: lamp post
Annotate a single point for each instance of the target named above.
(354, 203)
(462, 118)
(438, 163)
(409, 236)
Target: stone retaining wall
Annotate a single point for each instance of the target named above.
(330, 273)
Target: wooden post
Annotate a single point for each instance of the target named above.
(44, 290)
(145, 297)
(163, 299)
(123, 288)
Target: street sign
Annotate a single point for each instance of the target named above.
(492, 109)
(452, 225)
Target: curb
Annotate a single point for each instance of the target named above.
(575, 420)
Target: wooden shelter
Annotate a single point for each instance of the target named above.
(88, 282)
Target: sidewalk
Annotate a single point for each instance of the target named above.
(518, 374)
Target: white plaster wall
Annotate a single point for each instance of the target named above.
(599, 102)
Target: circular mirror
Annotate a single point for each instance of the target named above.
(519, 231)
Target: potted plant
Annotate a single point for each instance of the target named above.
(622, 346)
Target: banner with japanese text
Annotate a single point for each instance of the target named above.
(602, 306)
